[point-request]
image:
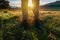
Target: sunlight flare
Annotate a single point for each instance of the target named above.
(30, 3)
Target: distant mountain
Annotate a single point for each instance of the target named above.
(14, 7)
(51, 6)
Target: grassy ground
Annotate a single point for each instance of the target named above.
(11, 26)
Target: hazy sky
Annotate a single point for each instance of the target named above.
(15, 3)
(18, 2)
(42, 2)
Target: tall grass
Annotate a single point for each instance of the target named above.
(11, 28)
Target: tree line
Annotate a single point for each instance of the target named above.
(4, 4)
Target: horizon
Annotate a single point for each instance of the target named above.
(17, 3)
(43, 2)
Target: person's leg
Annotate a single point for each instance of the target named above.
(36, 12)
(25, 13)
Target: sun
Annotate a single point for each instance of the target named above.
(30, 4)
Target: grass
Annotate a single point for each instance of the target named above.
(11, 26)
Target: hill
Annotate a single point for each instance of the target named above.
(51, 6)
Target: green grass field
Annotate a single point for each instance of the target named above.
(11, 28)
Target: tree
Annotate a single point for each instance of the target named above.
(4, 4)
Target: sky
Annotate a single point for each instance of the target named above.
(18, 2)
(42, 2)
